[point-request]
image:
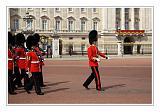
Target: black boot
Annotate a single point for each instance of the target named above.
(40, 93)
(86, 87)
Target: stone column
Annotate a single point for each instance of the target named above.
(55, 47)
(141, 11)
(104, 19)
(132, 19)
(134, 49)
(111, 19)
(122, 19)
(119, 48)
(9, 17)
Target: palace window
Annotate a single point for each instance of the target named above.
(57, 9)
(83, 10)
(95, 25)
(44, 24)
(16, 24)
(127, 19)
(57, 25)
(118, 18)
(44, 9)
(29, 24)
(83, 25)
(136, 19)
(70, 25)
(94, 10)
(70, 9)
(70, 38)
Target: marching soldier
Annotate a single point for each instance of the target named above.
(33, 66)
(93, 54)
(40, 53)
(17, 74)
(21, 57)
(10, 65)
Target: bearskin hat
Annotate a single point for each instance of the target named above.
(37, 37)
(31, 41)
(10, 38)
(14, 40)
(93, 36)
(20, 39)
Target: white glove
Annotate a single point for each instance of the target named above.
(97, 59)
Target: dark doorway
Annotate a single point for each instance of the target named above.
(128, 46)
(60, 47)
(70, 49)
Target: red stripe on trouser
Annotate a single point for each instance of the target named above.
(97, 78)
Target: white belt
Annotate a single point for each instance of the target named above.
(35, 61)
(10, 59)
(22, 58)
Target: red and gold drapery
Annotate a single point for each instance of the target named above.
(130, 32)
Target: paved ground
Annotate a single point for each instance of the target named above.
(125, 81)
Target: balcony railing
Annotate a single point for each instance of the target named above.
(62, 31)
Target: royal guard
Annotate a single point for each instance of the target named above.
(21, 57)
(10, 65)
(40, 53)
(33, 66)
(17, 74)
(93, 54)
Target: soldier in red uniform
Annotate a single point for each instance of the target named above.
(17, 74)
(40, 53)
(21, 57)
(33, 66)
(10, 65)
(93, 54)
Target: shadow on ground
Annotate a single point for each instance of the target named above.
(56, 90)
(57, 83)
(113, 86)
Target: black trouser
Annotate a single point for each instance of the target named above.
(34, 79)
(94, 74)
(18, 76)
(10, 82)
(25, 76)
(41, 77)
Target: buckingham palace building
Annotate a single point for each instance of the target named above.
(121, 30)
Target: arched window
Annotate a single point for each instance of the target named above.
(58, 22)
(45, 20)
(71, 24)
(95, 23)
(83, 24)
(44, 24)
(16, 24)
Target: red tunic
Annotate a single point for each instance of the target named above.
(10, 60)
(21, 54)
(93, 52)
(32, 62)
(40, 54)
